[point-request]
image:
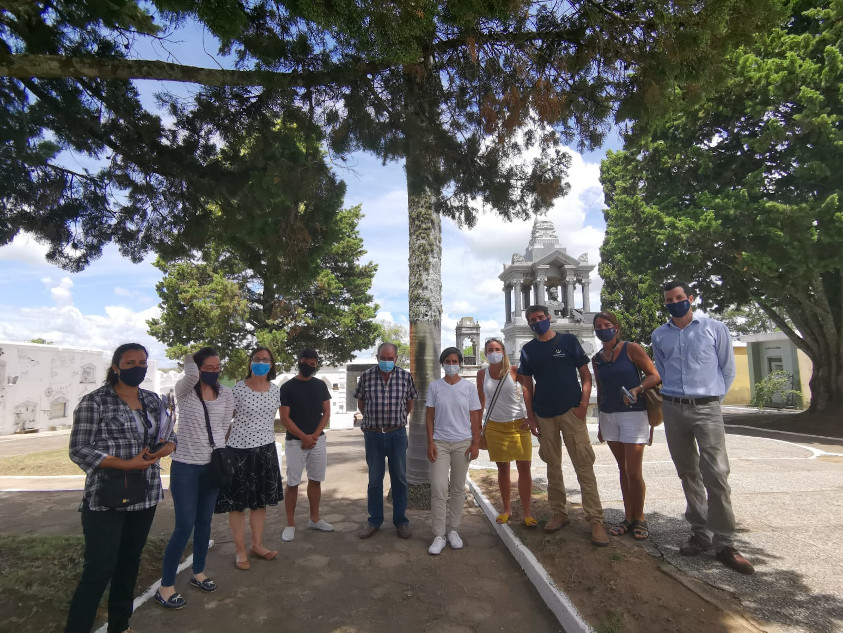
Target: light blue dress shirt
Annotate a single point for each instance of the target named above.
(694, 361)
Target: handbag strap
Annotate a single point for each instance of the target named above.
(494, 396)
(207, 420)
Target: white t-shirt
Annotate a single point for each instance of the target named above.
(451, 421)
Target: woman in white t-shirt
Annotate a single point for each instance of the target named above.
(506, 428)
(453, 440)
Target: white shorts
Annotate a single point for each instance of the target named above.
(315, 460)
(629, 427)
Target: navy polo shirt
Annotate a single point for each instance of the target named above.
(554, 365)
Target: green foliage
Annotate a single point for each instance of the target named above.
(217, 300)
(749, 319)
(775, 384)
(452, 83)
(40, 341)
(391, 332)
(739, 191)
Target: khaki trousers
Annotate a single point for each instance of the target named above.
(447, 485)
(575, 434)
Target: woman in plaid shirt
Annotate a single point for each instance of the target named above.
(114, 429)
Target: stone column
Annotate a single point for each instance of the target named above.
(518, 295)
(569, 295)
(507, 302)
(586, 302)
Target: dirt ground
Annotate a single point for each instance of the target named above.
(620, 588)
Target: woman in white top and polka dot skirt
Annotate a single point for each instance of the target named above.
(251, 443)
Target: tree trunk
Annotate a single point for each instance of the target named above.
(827, 385)
(425, 296)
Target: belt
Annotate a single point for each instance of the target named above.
(382, 429)
(694, 402)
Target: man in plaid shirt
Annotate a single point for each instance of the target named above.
(385, 397)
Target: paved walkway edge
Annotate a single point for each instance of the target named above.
(561, 606)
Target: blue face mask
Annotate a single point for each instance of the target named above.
(606, 334)
(386, 366)
(540, 327)
(260, 369)
(678, 309)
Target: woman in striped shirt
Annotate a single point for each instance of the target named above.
(202, 401)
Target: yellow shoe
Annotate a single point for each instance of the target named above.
(502, 518)
(530, 522)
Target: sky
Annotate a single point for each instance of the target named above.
(109, 302)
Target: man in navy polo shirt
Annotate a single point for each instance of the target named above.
(559, 405)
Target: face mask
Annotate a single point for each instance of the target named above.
(209, 377)
(678, 309)
(260, 369)
(451, 370)
(306, 370)
(494, 357)
(540, 327)
(606, 334)
(133, 376)
(386, 366)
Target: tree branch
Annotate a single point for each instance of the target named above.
(61, 67)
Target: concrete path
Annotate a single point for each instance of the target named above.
(786, 492)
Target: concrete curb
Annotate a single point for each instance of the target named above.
(559, 604)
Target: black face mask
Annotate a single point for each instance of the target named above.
(306, 370)
(133, 376)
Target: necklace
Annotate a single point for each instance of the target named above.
(611, 355)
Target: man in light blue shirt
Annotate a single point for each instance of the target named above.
(694, 357)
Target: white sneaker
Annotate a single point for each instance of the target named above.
(322, 525)
(454, 540)
(437, 546)
(288, 534)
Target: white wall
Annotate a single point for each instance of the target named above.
(40, 385)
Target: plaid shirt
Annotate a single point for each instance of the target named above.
(103, 425)
(386, 401)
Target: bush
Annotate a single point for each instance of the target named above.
(777, 383)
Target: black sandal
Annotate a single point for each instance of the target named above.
(640, 530)
(621, 528)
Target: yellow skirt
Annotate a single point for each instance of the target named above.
(508, 442)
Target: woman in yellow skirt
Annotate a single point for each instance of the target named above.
(506, 429)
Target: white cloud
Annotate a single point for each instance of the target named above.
(122, 292)
(61, 293)
(24, 249)
(67, 325)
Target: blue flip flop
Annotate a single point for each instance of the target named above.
(175, 601)
(206, 585)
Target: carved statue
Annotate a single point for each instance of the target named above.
(583, 259)
(517, 259)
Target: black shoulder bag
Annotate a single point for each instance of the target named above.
(222, 468)
(122, 488)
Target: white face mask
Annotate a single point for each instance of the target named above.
(451, 370)
(494, 357)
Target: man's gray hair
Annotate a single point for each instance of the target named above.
(387, 344)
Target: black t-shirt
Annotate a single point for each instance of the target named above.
(554, 365)
(305, 398)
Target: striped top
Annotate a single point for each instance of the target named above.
(193, 446)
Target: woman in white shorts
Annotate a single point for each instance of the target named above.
(453, 439)
(623, 422)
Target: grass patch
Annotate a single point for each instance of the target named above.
(38, 575)
(47, 463)
(612, 624)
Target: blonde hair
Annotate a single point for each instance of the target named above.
(505, 365)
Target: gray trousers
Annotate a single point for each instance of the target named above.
(697, 442)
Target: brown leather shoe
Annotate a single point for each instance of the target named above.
(731, 557)
(557, 522)
(403, 531)
(367, 530)
(694, 546)
(598, 534)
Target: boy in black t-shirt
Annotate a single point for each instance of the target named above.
(305, 412)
